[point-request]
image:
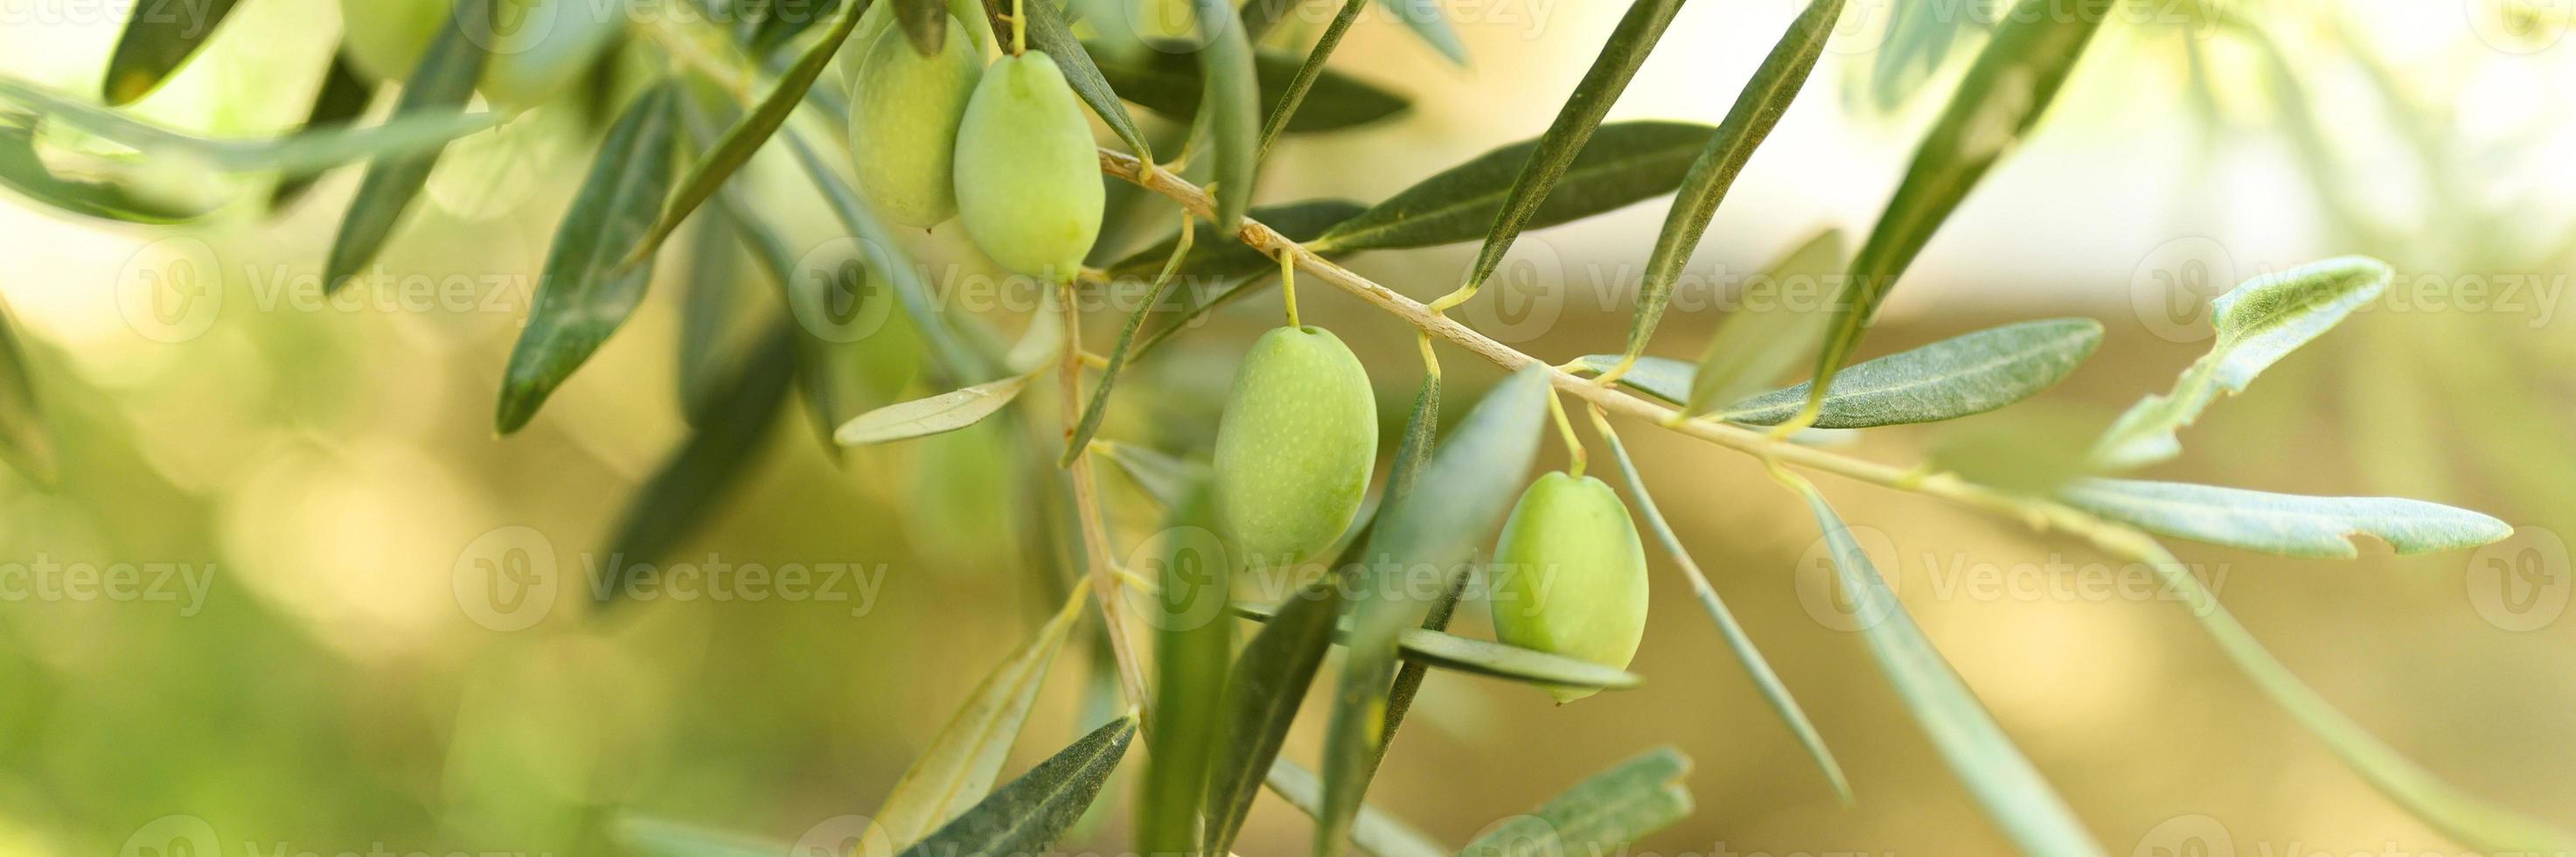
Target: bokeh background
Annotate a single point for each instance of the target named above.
(315, 500)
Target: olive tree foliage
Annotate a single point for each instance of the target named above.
(983, 113)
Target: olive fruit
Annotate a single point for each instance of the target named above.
(903, 124)
(1295, 446)
(1570, 576)
(879, 17)
(385, 38)
(541, 45)
(1028, 176)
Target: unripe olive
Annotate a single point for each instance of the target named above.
(903, 124)
(385, 38)
(879, 17)
(541, 45)
(1295, 447)
(1571, 576)
(1028, 176)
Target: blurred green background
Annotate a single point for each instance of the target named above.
(314, 487)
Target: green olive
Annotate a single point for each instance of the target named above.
(385, 38)
(541, 45)
(1295, 447)
(962, 14)
(1028, 174)
(903, 124)
(1570, 576)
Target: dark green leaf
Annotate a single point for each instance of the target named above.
(1556, 149)
(1193, 645)
(1484, 657)
(25, 441)
(584, 294)
(1946, 380)
(1426, 20)
(1757, 108)
(697, 479)
(1285, 106)
(1231, 107)
(160, 36)
(1047, 31)
(342, 99)
(442, 83)
(781, 21)
(2286, 524)
(1165, 79)
(1262, 693)
(924, 22)
(1026, 815)
(1997, 105)
(1624, 163)
(1600, 815)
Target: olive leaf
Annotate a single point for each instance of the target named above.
(25, 441)
(159, 37)
(418, 126)
(1193, 646)
(1441, 650)
(1284, 106)
(23, 169)
(441, 84)
(1625, 162)
(656, 837)
(964, 759)
(2286, 524)
(1757, 108)
(1098, 408)
(2258, 323)
(1956, 377)
(1230, 105)
(748, 133)
(1754, 347)
(1600, 815)
(955, 359)
(583, 294)
(1047, 31)
(1026, 815)
(1164, 479)
(1427, 21)
(1166, 79)
(1764, 678)
(774, 23)
(1918, 37)
(1375, 831)
(1997, 105)
(697, 479)
(924, 22)
(1262, 693)
(1557, 148)
(946, 412)
(1661, 377)
(707, 312)
(2003, 782)
(1459, 498)
(343, 98)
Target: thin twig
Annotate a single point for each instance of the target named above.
(1086, 500)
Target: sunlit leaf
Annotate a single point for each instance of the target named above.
(1755, 346)
(2287, 524)
(343, 98)
(1956, 377)
(1166, 79)
(442, 83)
(159, 37)
(420, 126)
(1026, 815)
(23, 169)
(1625, 162)
(964, 759)
(946, 412)
(1600, 815)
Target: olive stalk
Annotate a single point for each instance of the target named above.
(1105, 577)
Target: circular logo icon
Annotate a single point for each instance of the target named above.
(504, 27)
(172, 836)
(1195, 571)
(1524, 297)
(838, 291)
(507, 579)
(2186, 836)
(2520, 26)
(1819, 582)
(1517, 836)
(2521, 583)
(2171, 288)
(842, 836)
(171, 290)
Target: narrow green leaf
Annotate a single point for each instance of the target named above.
(1426, 20)
(1047, 31)
(1754, 347)
(1998, 103)
(1483, 657)
(1757, 108)
(1262, 694)
(160, 36)
(1918, 38)
(1162, 477)
(924, 22)
(1409, 677)
(23, 169)
(707, 312)
(25, 441)
(1556, 150)
(1625, 162)
(1956, 377)
(1459, 498)
(2258, 323)
(946, 412)
(957, 361)
(583, 295)
(2286, 524)
(747, 135)
(1166, 77)
(442, 83)
(1765, 679)
(1284, 105)
(963, 760)
(1661, 377)
(1600, 815)
(1231, 107)
(697, 479)
(1375, 831)
(781, 21)
(1098, 408)
(342, 99)
(418, 126)
(1193, 646)
(2002, 781)
(655, 837)
(1026, 815)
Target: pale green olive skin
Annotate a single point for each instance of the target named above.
(1028, 174)
(1295, 447)
(1571, 576)
(386, 38)
(879, 17)
(903, 124)
(546, 45)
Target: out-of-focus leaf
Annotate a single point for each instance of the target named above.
(1026, 815)
(955, 359)
(1918, 37)
(1375, 831)
(1427, 20)
(1757, 108)
(2002, 781)
(781, 21)
(1956, 377)
(1166, 80)
(655, 837)
(1098, 408)
(1486, 658)
(1193, 646)
(1564, 139)
(1754, 347)
(2286, 524)
(2003, 97)
(160, 36)
(1661, 377)
(23, 169)
(343, 98)
(964, 759)
(441, 84)
(1230, 104)
(924, 22)
(1624, 162)
(1262, 694)
(1600, 815)
(2258, 323)
(419, 126)
(701, 475)
(946, 412)
(25, 441)
(1288, 104)
(583, 294)
(1162, 477)
(1047, 31)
